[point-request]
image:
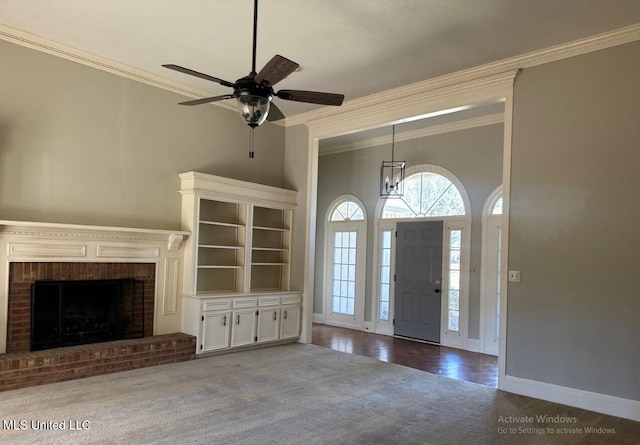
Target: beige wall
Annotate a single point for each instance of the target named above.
(574, 319)
(78, 145)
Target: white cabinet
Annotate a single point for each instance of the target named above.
(289, 321)
(243, 328)
(228, 322)
(215, 331)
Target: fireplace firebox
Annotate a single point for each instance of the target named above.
(77, 312)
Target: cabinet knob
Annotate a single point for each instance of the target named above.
(238, 319)
(224, 320)
(275, 315)
(285, 314)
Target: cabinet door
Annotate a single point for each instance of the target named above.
(290, 321)
(243, 331)
(268, 324)
(216, 330)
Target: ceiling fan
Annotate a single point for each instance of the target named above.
(254, 93)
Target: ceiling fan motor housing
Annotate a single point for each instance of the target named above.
(253, 100)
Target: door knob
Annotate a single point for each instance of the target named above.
(437, 291)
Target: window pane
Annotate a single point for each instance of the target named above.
(454, 300)
(352, 239)
(455, 259)
(358, 215)
(386, 257)
(350, 307)
(455, 240)
(352, 273)
(497, 208)
(385, 271)
(384, 311)
(386, 239)
(384, 292)
(352, 256)
(454, 279)
(454, 321)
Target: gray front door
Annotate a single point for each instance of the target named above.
(418, 280)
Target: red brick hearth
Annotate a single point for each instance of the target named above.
(22, 276)
(22, 369)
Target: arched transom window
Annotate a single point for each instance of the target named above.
(426, 194)
(347, 211)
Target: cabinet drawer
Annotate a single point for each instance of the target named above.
(216, 305)
(244, 303)
(269, 301)
(291, 299)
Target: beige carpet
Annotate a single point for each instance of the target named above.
(293, 394)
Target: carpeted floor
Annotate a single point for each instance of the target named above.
(293, 394)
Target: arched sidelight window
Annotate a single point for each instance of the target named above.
(345, 262)
(431, 193)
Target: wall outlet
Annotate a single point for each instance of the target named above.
(514, 276)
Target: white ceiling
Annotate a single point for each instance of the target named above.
(354, 47)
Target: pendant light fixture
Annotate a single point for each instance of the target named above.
(392, 173)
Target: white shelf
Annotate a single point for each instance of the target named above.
(219, 267)
(223, 224)
(274, 229)
(270, 249)
(216, 246)
(269, 264)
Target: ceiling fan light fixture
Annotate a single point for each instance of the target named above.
(253, 109)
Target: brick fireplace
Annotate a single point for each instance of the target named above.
(23, 275)
(31, 251)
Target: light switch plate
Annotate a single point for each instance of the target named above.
(514, 276)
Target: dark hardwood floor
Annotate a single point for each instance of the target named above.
(454, 363)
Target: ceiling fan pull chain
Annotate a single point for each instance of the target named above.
(251, 144)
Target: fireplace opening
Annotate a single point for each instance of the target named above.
(77, 312)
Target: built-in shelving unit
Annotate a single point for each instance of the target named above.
(270, 249)
(221, 238)
(237, 263)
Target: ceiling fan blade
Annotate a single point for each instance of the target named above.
(275, 70)
(312, 97)
(275, 114)
(206, 100)
(200, 75)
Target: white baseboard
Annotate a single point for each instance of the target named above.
(368, 326)
(318, 318)
(601, 403)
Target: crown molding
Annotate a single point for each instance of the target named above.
(75, 55)
(554, 53)
(527, 60)
(450, 127)
(225, 189)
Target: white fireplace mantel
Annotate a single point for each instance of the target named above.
(23, 241)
